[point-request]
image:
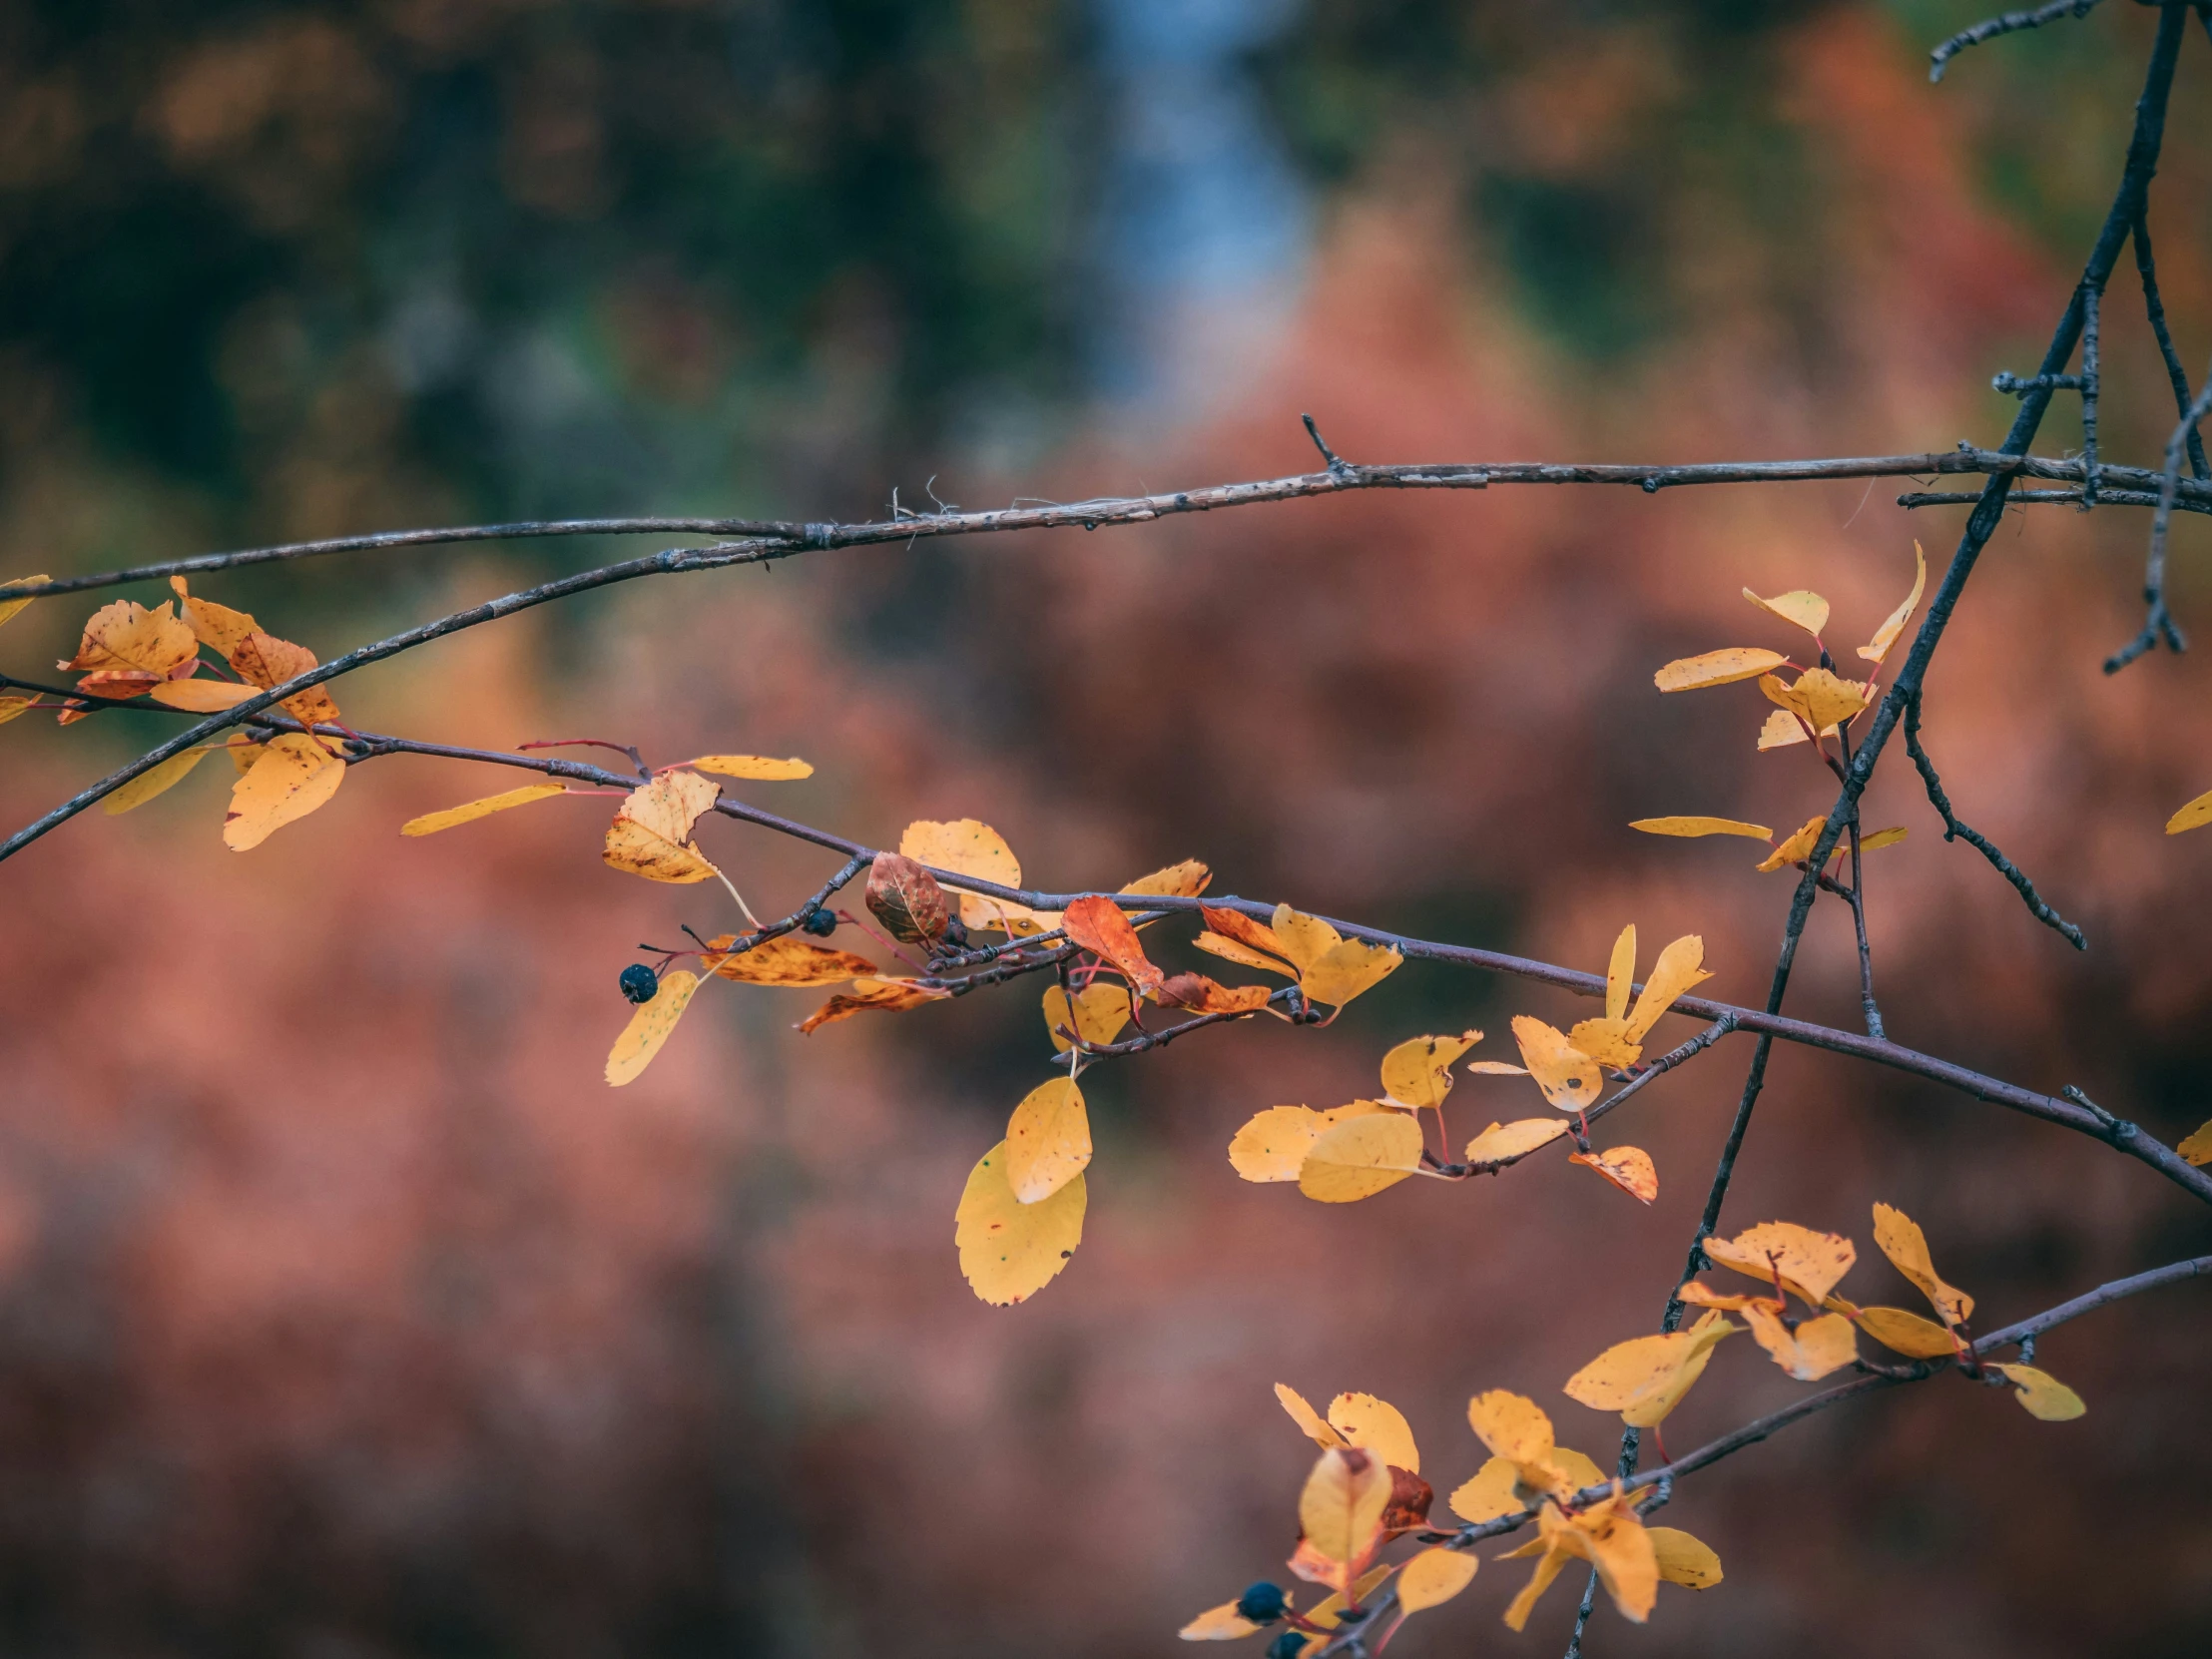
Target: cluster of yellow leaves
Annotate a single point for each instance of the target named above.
(1328, 967)
(1354, 1151)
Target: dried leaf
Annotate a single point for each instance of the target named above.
(1628, 1167)
(1048, 1140)
(1272, 1146)
(2042, 1394)
(1645, 1377)
(1801, 609)
(293, 776)
(1678, 970)
(127, 649)
(1703, 826)
(1257, 936)
(1202, 995)
(1347, 970)
(11, 706)
(1810, 1264)
(1878, 647)
(782, 960)
(1184, 880)
(650, 1026)
(2195, 816)
(1310, 1423)
(1098, 926)
(1816, 1348)
(264, 660)
(966, 846)
(1433, 1577)
(146, 785)
(884, 996)
(1799, 847)
(1907, 1334)
(1375, 1426)
(1339, 1513)
(1361, 1157)
(1818, 697)
(1503, 1142)
(906, 899)
(2197, 1149)
(1684, 1560)
(10, 609)
(651, 834)
(1717, 668)
(1009, 1250)
(201, 697)
(1417, 1072)
(470, 810)
(1569, 1079)
(1900, 1238)
(760, 769)
(216, 626)
(1230, 950)
(1097, 1014)
(1219, 1625)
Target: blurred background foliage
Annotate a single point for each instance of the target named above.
(345, 1315)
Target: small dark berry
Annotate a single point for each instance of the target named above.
(640, 983)
(1289, 1645)
(1262, 1603)
(820, 922)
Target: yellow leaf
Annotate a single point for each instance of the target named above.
(1417, 1072)
(1878, 647)
(1678, 970)
(1230, 950)
(1433, 1577)
(1256, 937)
(243, 752)
(1783, 728)
(782, 960)
(1907, 1334)
(201, 697)
(1703, 826)
(1818, 697)
(11, 706)
(294, 776)
(1361, 1157)
(1302, 938)
(1620, 973)
(1816, 1348)
(147, 784)
(1549, 1567)
(1010, 1249)
(1347, 969)
(1569, 1079)
(1272, 1146)
(1324, 1612)
(1801, 609)
(1606, 1041)
(2042, 1394)
(131, 648)
(1628, 1167)
(10, 609)
(1683, 1559)
(1184, 880)
(1310, 1423)
(966, 846)
(2195, 816)
(873, 995)
(1799, 847)
(266, 661)
(1202, 995)
(760, 768)
(1900, 1238)
(1515, 1429)
(1496, 1068)
(1645, 1377)
(1375, 1426)
(651, 834)
(1099, 1011)
(2197, 1149)
(1048, 1140)
(1717, 668)
(650, 1026)
(1489, 1493)
(213, 625)
(1502, 1142)
(1340, 1510)
(469, 810)
(1876, 841)
(1219, 1625)
(1809, 1264)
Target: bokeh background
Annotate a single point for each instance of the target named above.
(344, 1313)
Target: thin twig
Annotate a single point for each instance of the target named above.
(2146, 267)
(2159, 625)
(2003, 24)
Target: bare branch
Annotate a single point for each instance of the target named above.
(2003, 24)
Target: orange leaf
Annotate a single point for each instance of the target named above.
(1628, 1167)
(906, 899)
(1098, 926)
(887, 996)
(1206, 996)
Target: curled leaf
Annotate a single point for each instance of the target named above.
(1678, 970)
(650, 1026)
(1801, 609)
(1009, 1250)
(873, 995)
(1310, 1423)
(470, 810)
(1717, 668)
(651, 834)
(126, 649)
(1797, 848)
(1900, 1238)
(1628, 1167)
(1878, 647)
(906, 899)
(782, 960)
(1202, 995)
(1818, 697)
(1502, 1142)
(1099, 926)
